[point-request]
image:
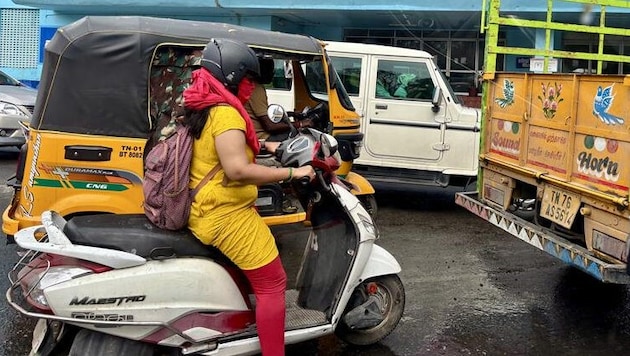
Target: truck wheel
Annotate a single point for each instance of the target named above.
(391, 294)
(369, 203)
(92, 343)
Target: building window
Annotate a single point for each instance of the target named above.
(439, 50)
(459, 54)
(588, 43)
(19, 38)
(463, 55)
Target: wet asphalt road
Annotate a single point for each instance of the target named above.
(471, 290)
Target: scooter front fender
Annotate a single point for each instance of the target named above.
(380, 263)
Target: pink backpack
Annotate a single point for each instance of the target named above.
(167, 198)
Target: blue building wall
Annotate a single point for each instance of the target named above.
(51, 20)
(324, 19)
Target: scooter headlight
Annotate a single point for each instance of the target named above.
(369, 226)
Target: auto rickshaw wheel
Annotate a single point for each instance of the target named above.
(369, 203)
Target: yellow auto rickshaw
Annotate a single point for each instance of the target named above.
(107, 85)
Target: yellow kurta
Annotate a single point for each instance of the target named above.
(224, 216)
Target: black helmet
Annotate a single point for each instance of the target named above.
(229, 61)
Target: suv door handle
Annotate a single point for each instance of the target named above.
(381, 106)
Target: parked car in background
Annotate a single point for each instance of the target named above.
(17, 101)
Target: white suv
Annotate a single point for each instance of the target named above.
(16, 104)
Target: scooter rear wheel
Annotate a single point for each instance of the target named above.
(92, 343)
(392, 294)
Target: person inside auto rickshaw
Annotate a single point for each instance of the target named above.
(258, 103)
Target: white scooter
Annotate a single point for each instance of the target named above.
(116, 284)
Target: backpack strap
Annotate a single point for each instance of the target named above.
(206, 179)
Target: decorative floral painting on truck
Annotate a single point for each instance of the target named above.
(550, 99)
(538, 134)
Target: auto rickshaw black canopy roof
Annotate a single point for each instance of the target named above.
(95, 78)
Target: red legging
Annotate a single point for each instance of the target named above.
(269, 283)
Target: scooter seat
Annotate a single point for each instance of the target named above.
(134, 233)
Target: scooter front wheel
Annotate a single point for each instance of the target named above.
(382, 301)
(92, 343)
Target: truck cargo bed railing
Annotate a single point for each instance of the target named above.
(492, 20)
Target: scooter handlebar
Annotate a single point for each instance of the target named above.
(303, 181)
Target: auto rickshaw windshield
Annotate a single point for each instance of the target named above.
(316, 81)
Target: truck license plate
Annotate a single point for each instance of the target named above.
(559, 206)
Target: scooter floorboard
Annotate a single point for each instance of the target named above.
(297, 317)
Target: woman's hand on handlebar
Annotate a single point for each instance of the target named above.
(304, 172)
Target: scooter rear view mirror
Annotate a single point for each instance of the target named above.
(329, 144)
(275, 113)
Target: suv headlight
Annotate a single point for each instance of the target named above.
(10, 109)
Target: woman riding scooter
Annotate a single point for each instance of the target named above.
(114, 284)
(223, 213)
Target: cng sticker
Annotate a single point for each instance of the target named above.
(54, 183)
(99, 186)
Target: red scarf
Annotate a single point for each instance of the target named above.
(206, 90)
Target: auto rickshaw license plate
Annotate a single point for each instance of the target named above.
(559, 206)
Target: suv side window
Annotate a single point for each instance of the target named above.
(349, 71)
(403, 80)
